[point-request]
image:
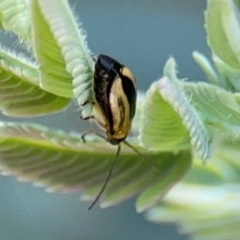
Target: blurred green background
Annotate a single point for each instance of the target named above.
(142, 34)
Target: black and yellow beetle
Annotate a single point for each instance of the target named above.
(115, 94)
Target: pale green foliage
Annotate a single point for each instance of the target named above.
(207, 67)
(177, 125)
(29, 99)
(61, 162)
(223, 29)
(14, 17)
(206, 203)
(58, 42)
(181, 123)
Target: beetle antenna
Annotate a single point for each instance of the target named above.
(107, 179)
(83, 136)
(141, 155)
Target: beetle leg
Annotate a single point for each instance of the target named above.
(153, 163)
(87, 102)
(92, 132)
(83, 104)
(86, 118)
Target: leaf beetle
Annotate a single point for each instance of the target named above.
(115, 105)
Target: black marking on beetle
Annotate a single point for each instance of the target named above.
(130, 92)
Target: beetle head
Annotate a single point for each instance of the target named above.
(107, 67)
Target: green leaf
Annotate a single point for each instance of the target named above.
(20, 95)
(206, 66)
(176, 171)
(207, 212)
(226, 77)
(53, 73)
(61, 49)
(162, 129)
(218, 108)
(14, 17)
(206, 203)
(229, 77)
(227, 158)
(19, 65)
(169, 121)
(212, 174)
(223, 29)
(62, 162)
